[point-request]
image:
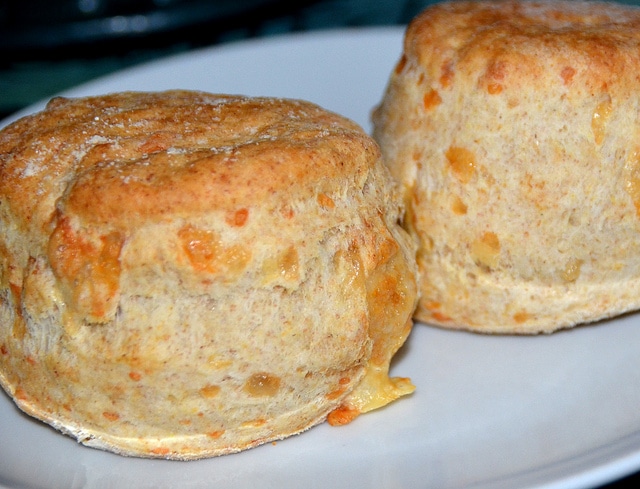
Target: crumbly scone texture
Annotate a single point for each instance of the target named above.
(185, 275)
(514, 129)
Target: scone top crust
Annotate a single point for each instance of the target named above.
(512, 42)
(132, 157)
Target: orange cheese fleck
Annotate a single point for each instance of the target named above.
(401, 64)
(209, 391)
(462, 163)
(283, 266)
(440, 317)
(111, 416)
(325, 201)
(601, 114)
(262, 384)
(494, 88)
(20, 394)
(458, 206)
(206, 253)
(486, 249)
(238, 218)
(160, 451)
(431, 99)
(342, 415)
(135, 376)
(521, 317)
(571, 272)
(567, 74)
(88, 268)
(447, 72)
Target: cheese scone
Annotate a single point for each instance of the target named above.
(513, 128)
(185, 275)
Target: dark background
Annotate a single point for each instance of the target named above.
(50, 45)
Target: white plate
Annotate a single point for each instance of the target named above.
(489, 412)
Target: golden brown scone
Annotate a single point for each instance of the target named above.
(514, 130)
(186, 275)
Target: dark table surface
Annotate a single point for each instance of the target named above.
(50, 45)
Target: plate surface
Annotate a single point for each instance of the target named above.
(489, 412)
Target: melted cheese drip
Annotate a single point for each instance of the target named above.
(390, 306)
